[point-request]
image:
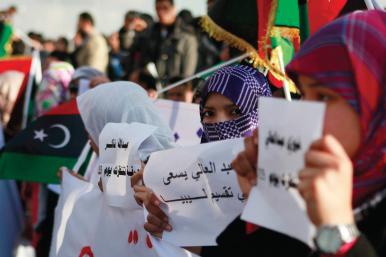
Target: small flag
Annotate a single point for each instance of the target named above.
(55, 139)
(6, 32)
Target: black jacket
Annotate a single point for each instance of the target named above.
(174, 55)
(234, 242)
(267, 243)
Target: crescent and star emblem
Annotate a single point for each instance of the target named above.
(41, 135)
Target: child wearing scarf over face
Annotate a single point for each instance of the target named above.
(229, 102)
(344, 66)
(228, 109)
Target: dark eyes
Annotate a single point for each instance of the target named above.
(236, 112)
(324, 97)
(208, 114)
(231, 113)
(319, 96)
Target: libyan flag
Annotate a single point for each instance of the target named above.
(18, 65)
(54, 140)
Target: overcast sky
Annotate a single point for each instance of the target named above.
(58, 17)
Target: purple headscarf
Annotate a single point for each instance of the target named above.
(243, 85)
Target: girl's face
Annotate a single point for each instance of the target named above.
(340, 120)
(219, 108)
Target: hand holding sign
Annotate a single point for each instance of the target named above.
(286, 131)
(326, 183)
(197, 183)
(157, 221)
(245, 164)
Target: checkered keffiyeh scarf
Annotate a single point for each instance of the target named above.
(243, 85)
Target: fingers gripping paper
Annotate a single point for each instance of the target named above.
(119, 160)
(166, 249)
(286, 132)
(200, 189)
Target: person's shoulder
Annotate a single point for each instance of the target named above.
(97, 38)
(156, 27)
(184, 29)
(97, 35)
(188, 37)
(122, 30)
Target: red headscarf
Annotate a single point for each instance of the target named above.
(349, 57)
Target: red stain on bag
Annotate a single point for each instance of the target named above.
(86, 251)
(130, 239)
(148, 242)
(135, 237)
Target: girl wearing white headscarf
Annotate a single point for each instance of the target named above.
(120, 102)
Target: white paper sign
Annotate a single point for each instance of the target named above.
(119, 160)
(200, 189)
(183, 120)
(286, 131)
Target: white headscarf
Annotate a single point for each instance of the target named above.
(123, 101)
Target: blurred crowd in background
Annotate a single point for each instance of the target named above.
(151, 51)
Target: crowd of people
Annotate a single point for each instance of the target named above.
(175, 44)
(342, 65)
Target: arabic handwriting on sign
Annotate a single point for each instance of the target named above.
(107, 171)
(226, 194)
(274, 139)
(241, 197)
(122, 144)
(111, 145)
(117, 170)
(293, 144)
(132, 171)
(288, 181)
(227, 168)
(285, 180)
(174, 176)
(197, 176)
(185, 199)
(204, 170)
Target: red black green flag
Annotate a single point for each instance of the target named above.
(260, 28)
(6, 32)
(56, 139)
(20, 64)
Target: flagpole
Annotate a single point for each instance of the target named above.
(202, 73)
(369, 4)
(24, 37)
(28, 92)
(286, 89)
(82, 158)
